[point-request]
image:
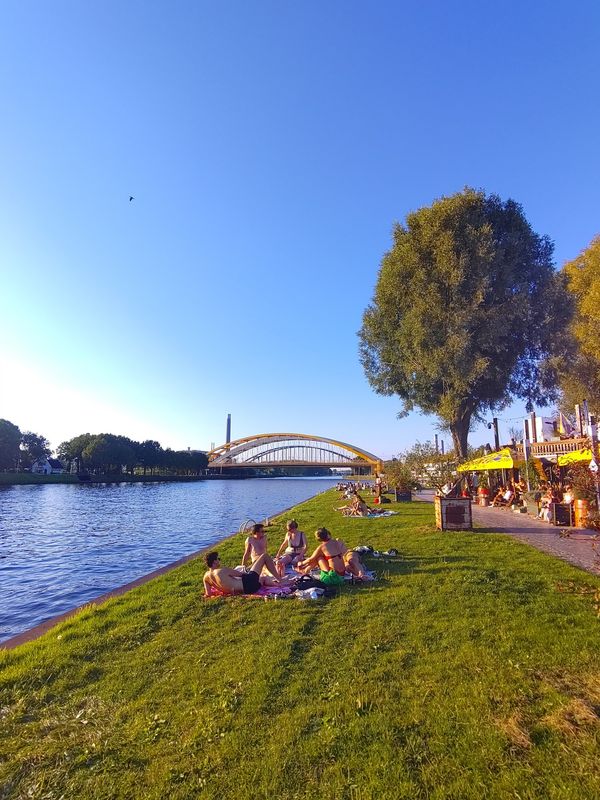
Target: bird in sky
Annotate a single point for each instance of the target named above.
(131, 197)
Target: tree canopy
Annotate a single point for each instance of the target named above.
(106, 453)
(466, 309)
(580, 372)
(33, 448)
(10, 439)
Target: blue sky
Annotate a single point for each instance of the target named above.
(270, 147)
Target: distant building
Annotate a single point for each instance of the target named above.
(47, 466)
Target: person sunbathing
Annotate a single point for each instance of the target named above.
(293, 547)
(223, 580)
(357, 508)
(332, 557)
(256, 547)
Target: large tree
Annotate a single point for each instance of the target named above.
(10, 439)
(580, 373)
(109, 453)
(466, 308)
(33, 448)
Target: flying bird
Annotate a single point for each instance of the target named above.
(131, 197)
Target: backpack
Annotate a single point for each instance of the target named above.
(307, 582)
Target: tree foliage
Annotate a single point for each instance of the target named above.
(10, 439)
(580, 371)
(427, 466)
(106, 453)
(466, 308)
(398, 475)
(33, 448)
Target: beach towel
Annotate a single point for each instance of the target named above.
(264, 591)
(375, 516)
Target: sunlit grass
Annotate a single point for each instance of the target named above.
(469, 670)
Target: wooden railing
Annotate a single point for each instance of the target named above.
(557, 448)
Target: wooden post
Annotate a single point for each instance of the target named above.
(496, 435)
(525, 450)
(593, 428)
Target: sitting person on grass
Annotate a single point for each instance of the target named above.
(293, 547)
(223, 580)
(333, 558)
(256, 548)
(358, 508)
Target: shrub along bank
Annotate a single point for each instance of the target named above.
(469, 670)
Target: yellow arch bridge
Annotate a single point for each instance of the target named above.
(291, 450)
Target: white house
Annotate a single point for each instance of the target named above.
(47, 466)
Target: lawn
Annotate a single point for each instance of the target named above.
(470, 669)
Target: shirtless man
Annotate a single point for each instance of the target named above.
(332, 555)
(223, 580)
(256, 548)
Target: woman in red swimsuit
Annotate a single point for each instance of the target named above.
(332, 555)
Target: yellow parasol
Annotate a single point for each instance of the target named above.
(575, 457)
(502, 459)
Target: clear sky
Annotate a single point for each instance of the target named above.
(270, 146)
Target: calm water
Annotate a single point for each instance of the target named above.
(63, 545)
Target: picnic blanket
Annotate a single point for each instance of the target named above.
(264, 591)
(374, 516)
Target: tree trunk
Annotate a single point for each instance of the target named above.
(460, 434)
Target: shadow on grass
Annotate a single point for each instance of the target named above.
(518, 529)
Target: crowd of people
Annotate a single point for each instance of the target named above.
(512, 494)
(331, 558)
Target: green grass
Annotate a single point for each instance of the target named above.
(469, 670)
(25, 478)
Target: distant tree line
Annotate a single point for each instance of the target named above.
(105, 453)
(20, 450)
(100, 454)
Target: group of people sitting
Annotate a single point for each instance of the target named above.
(553, 494)
(510, 494)
(354, 486)
(549, 493)
(331, 557)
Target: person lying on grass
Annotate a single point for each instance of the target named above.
(358, 508)
(223, 580)
(293, 547)
(333, 559)
(256, 548)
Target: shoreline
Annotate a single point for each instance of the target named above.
(28, 479)
(30, 634)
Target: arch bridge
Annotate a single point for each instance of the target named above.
(291, 450)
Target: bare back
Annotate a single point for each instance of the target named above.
(225, 580)
(333, 551)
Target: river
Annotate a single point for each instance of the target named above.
(61, 545)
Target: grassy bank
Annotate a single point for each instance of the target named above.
(469, 670)
(27, 478)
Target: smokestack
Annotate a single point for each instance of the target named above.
(228, 434)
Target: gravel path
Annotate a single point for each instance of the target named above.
(575, 545)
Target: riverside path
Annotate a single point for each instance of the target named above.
(578, 546)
